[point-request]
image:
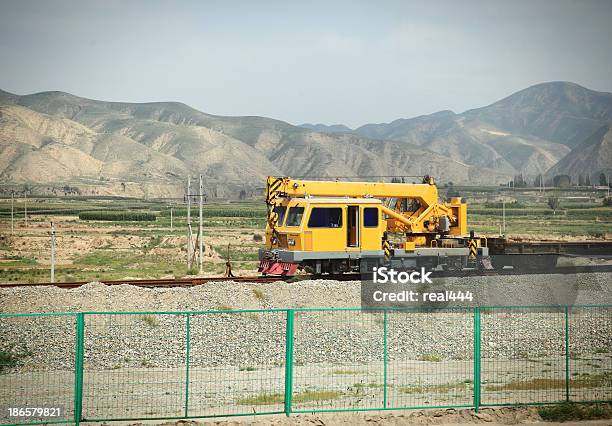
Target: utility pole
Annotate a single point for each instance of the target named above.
(52, 252)
(170, 219)
(25, 207)
(189, 222)
(200, 227)
(12, 214)
(504, 214)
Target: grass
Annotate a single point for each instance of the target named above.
(279, 398)
(224, 308)
(238, 253)
(430, 358)
(12, 357)
(369, 385)
(346, 372)
(575, 412)
(314, 395)
(150, 320)
(249, 368)
(438, 388)
(263, 399)
(259, 294)
(586, 381)
(19, 261)
(155, 241)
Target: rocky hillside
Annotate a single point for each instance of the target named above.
(594, 154)
(529, 131)
(560, 112)
(55, 138)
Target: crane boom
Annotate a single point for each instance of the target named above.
(427, 192)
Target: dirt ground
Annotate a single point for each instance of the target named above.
(491, 416)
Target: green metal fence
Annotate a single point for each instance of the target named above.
(105, 366)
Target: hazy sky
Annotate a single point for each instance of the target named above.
(347, 62)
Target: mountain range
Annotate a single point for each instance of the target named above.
(55, 140)
(539, 130)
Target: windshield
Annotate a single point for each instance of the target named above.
(294, 217)
(280, 212)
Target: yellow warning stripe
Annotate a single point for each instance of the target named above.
(387, 249)
(473, 248)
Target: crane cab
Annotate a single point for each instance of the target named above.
(325, 234)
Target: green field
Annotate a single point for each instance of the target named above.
(100, 239)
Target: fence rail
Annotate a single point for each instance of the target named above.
(105, 366)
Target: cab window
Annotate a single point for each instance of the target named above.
(325, 217)
(280, 212)
(370, 217)
(294, 217)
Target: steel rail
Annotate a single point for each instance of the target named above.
(192, 282)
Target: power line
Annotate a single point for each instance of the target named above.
(52, 252)
(200, 228)
(189, 233)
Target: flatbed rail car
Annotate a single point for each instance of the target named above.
(578, 248)
(530, 254)
(330, 227)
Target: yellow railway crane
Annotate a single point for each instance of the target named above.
(331, 226)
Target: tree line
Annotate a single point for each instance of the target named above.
(559, 181)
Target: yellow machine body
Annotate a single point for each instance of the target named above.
(331, 226)
(410, 209)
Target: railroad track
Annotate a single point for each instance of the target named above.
(192, 282)
(155, 283)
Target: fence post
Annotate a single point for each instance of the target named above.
(385, 358)
(567, 355)
(78, 368)
(477, 360)
(187, 356)
(289, 362)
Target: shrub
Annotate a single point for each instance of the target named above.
(150, 320)
(11, 357)
(259, 294)
(572, 412)
(114, 215)
(553, 203)
(430, 358)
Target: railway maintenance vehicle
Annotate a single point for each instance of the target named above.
(333, 227)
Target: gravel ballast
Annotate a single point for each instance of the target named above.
(245, 339)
